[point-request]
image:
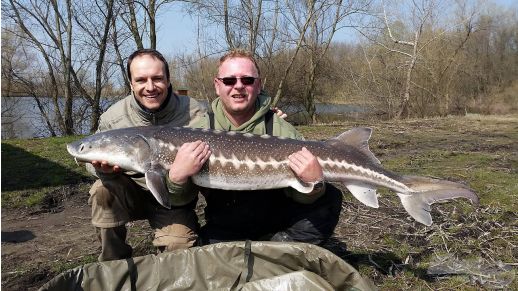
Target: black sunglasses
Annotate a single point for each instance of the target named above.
(231, 81)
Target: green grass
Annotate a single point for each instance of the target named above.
(59, 267)
(34, 168)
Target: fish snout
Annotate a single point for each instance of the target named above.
(70, 148)
(75, 148)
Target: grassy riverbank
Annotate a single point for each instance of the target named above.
(40, 182)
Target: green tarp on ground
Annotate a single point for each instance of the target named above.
(223, 266)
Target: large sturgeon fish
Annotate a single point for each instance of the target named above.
(249, 162)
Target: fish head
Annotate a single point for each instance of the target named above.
(125, 149)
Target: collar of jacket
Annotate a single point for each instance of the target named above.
(165, 113)
(262, 105)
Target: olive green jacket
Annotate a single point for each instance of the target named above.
(183, 194)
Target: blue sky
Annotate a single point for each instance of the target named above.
(177, 30)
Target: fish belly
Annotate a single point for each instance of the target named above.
(244, 175)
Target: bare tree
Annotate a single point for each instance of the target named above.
(422, 15)
(120, 36)
(97, 35)
(301, 17)
(140, 17)
(417, 31)
(241, 21)
(72, 41)
(19, 71)
(40, 12)
(320, 34)
(131, 21)
(13, 61)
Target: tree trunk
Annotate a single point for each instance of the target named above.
(54, 94)
(152, 23)
(69, 121)
(133, 25)
(228, 33)
(120, 61)
(302, 32)
(96, 109)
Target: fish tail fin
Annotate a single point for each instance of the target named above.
(426, 191)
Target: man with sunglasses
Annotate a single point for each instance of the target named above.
(119, 197)
(279, 214)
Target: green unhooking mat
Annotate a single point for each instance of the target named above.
(224, 266)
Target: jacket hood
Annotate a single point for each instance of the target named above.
(262, 105)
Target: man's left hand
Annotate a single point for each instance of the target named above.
(306, 166)
(279, 112)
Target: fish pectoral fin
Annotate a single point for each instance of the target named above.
(366, 194)
(302, 187)
(156, 184)
(417, 204)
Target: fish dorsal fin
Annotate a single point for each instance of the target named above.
(357, 137)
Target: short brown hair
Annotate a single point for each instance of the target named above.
(240, 53)
(151, 52)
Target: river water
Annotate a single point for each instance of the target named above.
(21, 117)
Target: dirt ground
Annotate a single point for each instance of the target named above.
(38, 244)
(33, 238)
(35, 241)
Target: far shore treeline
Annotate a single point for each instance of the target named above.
(399, 59)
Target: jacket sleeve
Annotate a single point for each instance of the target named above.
(181, 195)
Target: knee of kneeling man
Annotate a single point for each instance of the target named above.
(175, 237)
(103, 197)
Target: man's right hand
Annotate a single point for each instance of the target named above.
(104, 167)
(188, 161)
